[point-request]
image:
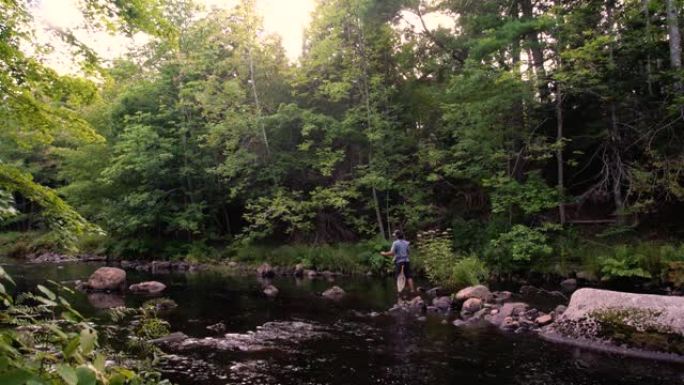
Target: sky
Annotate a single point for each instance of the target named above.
(287, 18)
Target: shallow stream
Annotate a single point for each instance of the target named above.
(341, 343)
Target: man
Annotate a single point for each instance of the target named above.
(400, 252)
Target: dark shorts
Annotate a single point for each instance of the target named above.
(407, 268)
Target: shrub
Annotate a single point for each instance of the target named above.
(443, 266)
(468, 271)
(518, 247)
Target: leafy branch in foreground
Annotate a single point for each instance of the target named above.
(44, 340)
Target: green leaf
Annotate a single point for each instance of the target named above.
(85, 376)
(5, 276)
(87, 340)
(68, 374)
(71, 347)
(15, 377)
(99, 362)
(47, 292)
(117, 379)
(45, 301)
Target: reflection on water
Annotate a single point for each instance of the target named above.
(350, 346)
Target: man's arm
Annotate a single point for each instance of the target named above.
(389, 253)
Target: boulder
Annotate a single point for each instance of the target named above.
(270, 291)
(107, 278)
(479, 291)
(149, 287)
(569, 285)
(299, 270)
(472, 305)
(335, 293)
(265, 270)
(636, 310)
(442, 303)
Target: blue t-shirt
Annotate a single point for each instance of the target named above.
(400, 248)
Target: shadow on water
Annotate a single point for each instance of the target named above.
(352, 347)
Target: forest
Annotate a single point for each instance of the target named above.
(533, 134)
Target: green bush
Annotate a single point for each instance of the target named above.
(643, 260)
(444, 267)
(21, 244)
(469, 271)
(518, 247)
(94, 244)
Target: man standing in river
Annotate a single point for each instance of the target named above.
(400, 252)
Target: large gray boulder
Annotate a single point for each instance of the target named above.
(107, 278)
(664, 312)
(643, 325)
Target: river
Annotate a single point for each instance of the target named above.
(349, 346)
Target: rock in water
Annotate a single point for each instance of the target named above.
(665, 312)
(334, 293)
(442, 303)
(266, 271)
(217, 327)
(107, 278)
(149, 287)
(569, 285)
(610, 319)
(271, 291)
(479, 291)
(508, 310)
(299, 270)
(472, 305)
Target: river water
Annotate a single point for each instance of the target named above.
(347, 345)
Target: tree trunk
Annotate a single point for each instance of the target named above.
(675, 40)
(559, 125)
(378, 214)
(615, 168)
(252, 80)
(559, 152)
(535, 51)
(649, 70)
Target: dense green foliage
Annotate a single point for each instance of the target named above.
(522, 124)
